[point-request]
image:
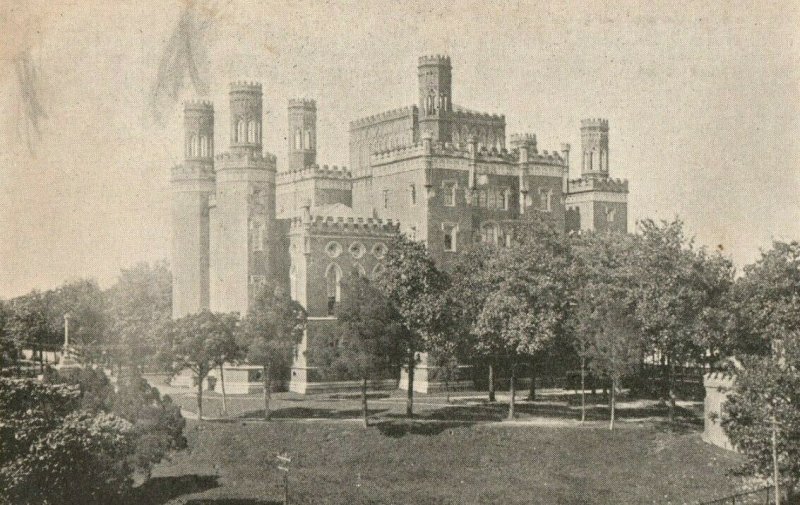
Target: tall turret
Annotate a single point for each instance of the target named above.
(302, 134)
(594, 137)
(192, 183)
(435, 84)
(435, 96)
(245, 116)
(243, 212)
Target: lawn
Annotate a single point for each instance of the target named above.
(433, 461)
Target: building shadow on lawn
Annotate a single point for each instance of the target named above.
(399, 429)
(160, 490)
(311, 413)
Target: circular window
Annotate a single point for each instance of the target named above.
(379, 250)
(357, 249)
(333, 249)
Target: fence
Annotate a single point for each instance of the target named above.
(762, 496)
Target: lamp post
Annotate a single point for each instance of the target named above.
(66, 332)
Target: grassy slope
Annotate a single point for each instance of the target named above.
(395, 462)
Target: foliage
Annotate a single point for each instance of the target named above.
(768, 299)
(85, 303)
(271, 332)
(767, 390)
(29, 323)
(418, 292)
(52, 453)
(139, 309)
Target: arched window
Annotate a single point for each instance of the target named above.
(308, 139)
(378, 270)
(204, 146)
(251, 132)
(489, 233)
(190, 148)
(505, 196)
(241, 132)
(333, 279)
(298, 139)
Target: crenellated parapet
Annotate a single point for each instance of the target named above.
(471, 116)
(595, 123)
(246, 159)
(198, 105)
(339, 225)
(192, 171)
(389, 115)
(302, 103)
(245, 87)
(484, 154)
(607, 185)
(314, 172)
(434, 59)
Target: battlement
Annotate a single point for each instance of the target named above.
(598, 184)
(345, 225)
(522, 138)
(594, 123)
(471, 115)
(485, 154)
(198, 105)
(434, 59)
(383, 116)
(246, 158)
(314, 171)
(192, 171)
(565, 147)
(245, 87)
(302, 103)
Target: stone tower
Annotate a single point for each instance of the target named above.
(594, 138)
(302, 134)
(243, 210)
(435, 96)
(192, 183)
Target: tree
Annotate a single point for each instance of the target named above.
(272, 330)
(197, 344)
(8, 350)
(526, 308)
(85, 303)
(366, 343)
(139, 310)
(615, 347)
(670, 296)
(52, 453)
(30, 323)
(417, 291)
(762, 417)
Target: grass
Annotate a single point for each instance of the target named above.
(431, 461)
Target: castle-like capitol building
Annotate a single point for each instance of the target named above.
(436, 171)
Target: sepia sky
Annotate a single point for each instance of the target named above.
(703, 100)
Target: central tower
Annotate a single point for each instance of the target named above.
(243, 230)
(302, 134)
(435, 96)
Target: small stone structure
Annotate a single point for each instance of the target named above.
(718, 385)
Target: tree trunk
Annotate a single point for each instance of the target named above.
(364, 410)
(671, 386)
(199, 398)
(511, 393)
(491, 383)
(224, 396)
(267, 390)
(613, 402)
(583, 390)
(410, 390)
(776, 470)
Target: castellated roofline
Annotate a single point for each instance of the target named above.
(434, 59)
(383, 116)
(462, 151)
(305, 103)
(471, 114)
(523, 138)
(594, 123)
(363, 226)
(312, 171)
(245, 87)
(198, 105)
(598, 184)
(245, 158)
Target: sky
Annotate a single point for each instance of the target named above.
(703, 101)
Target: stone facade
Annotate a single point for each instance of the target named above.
(438, 172)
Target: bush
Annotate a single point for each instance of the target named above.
(52, 453)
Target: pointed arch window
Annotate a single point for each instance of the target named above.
(298, 139)
(333, 280)
(204, 146)
(251, 132)
(308, 139)
(241, 131)
(192, 146)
